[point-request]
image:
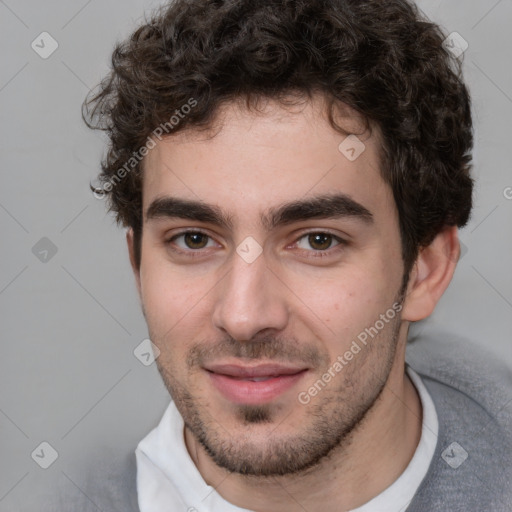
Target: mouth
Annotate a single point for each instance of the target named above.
(252, 385)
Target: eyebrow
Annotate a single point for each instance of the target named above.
(330, 206)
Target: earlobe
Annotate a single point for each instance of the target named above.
(431, 275)
(131, 253)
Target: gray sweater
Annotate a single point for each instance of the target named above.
(472, 394)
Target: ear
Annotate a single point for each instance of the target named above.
(131, 252)
(431, 275)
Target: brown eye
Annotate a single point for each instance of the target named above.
(320, 241)
(320, 244)
(195, 240)
(190, 241)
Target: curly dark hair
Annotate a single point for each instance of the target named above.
(383, 58)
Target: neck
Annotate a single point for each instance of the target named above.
(370, 460)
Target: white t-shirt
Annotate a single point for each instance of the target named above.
(167, 478)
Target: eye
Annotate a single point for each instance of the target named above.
(320, 241)
(192, 240)
(191, 243)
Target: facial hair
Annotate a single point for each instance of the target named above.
(329, 420)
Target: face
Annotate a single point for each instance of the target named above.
(270, 279)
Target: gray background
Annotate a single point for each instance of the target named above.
(69, 325)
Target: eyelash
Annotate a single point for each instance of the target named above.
(195, 253)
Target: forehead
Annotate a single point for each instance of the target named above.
(249, 162)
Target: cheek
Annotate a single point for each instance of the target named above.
(342, 306)
(175, 303)
(331, 303)
(164, 295)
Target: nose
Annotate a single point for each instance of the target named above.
(251, 298)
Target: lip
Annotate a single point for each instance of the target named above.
(260, 370)
(232, 381)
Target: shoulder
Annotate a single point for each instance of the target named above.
(472, 393)
(459, 362)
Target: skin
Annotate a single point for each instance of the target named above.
(358, 434)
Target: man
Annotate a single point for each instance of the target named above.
(292, 175)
